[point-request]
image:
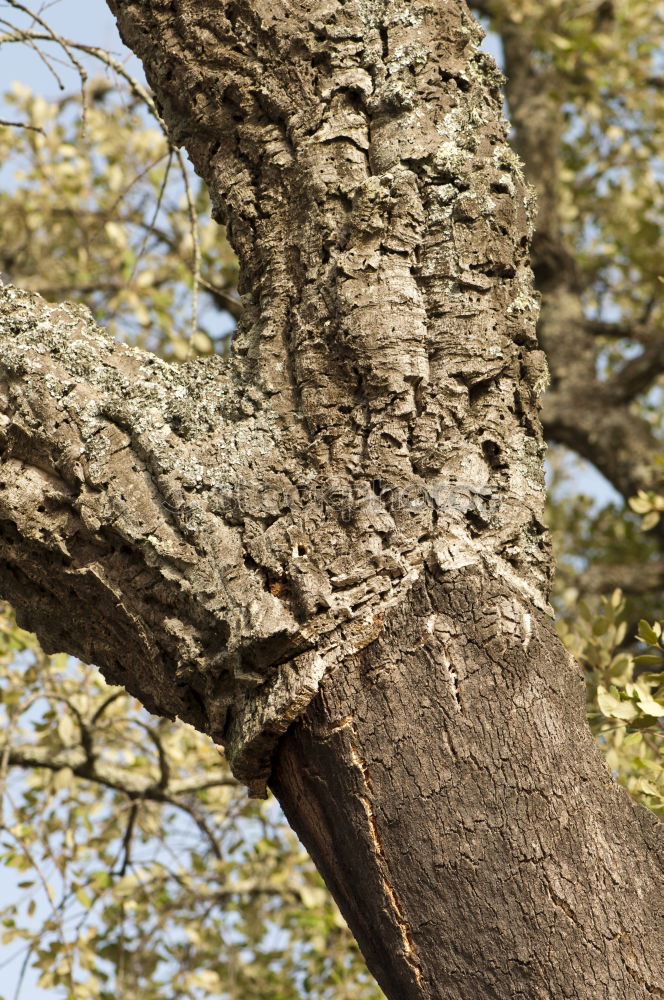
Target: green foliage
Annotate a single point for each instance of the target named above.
(650, 505)
(598, 83)
(99, 214)
(625, 700)
(143, 868)
(600, 67)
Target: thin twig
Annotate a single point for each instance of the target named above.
(126, 840)
(149, 227)
(32, 128)
(55, 910)
(105, 703)
(66, 47)
(196, 269)
(26, 38)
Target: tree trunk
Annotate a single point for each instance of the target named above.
(446, 784)
(343, 526)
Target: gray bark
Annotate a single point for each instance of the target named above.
(328, 553)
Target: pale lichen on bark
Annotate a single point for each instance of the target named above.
(145, 488)
(379, 412)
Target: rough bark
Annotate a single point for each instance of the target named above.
(446, 784)
(592, 415)
(343, 524)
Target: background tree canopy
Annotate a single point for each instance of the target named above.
(141, 862)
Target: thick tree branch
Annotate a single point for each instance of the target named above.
(619, 443)
(617, 330)
(639, 580)
(120, 480)
(638, 374)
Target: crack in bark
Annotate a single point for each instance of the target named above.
(409, 948)
(562, 904)
(634, 973)
(454, 685)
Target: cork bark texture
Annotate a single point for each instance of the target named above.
(342, 525)
(594, 416)
(380, 408)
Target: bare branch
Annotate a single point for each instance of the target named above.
(637, 376)
(66, 47)
(636, 580)
(105, 704)
(9, 124)
(114, 777)
(126, 840)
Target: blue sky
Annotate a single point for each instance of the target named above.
(86, 21)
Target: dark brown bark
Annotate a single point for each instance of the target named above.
(446, 784)
(377, 429)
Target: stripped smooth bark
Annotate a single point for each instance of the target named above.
(328, 552)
